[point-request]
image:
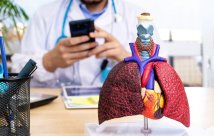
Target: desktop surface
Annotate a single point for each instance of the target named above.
(54, 120)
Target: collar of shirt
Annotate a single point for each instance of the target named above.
(88, 14)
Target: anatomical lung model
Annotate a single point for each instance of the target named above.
(144, 83)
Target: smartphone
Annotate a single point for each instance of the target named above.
(82, 27)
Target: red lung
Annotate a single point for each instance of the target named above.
(120, 95)
(176, 106)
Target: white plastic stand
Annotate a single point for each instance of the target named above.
(162, 127)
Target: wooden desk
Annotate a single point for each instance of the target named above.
(54, 120)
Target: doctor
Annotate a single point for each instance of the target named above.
(62, 59)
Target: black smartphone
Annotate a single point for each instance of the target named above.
(82, 27)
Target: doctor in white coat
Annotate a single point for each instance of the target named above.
(62, 59)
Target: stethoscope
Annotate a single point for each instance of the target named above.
(117, 18)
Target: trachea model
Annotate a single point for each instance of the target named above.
(144, 83)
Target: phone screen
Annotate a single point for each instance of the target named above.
(82, 27)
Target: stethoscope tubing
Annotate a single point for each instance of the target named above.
(65, 17)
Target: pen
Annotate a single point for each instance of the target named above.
(1, 71)
(3, 56)
(12, 123)
(28, 69)
(4, 63)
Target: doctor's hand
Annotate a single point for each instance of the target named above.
(67, 52)
(110, 49)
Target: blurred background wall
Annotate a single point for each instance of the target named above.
(181, 26)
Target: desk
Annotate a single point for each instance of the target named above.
(54, 120)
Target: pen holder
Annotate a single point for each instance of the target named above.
(15, 106)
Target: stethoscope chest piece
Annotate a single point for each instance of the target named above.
(118, 18)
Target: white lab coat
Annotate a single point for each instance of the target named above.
(46, 26)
